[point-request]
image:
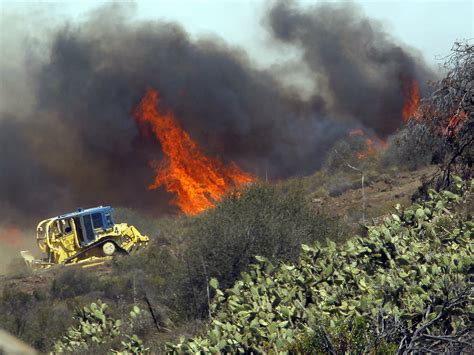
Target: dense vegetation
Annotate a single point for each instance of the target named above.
(170, 279)
(404, 286)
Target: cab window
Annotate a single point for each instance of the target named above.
(55, 228)
(108, 220)
(97, 220)
(66, 226)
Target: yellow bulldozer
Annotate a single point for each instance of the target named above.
(88, 237)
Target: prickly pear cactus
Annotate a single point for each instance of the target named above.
(94, 328)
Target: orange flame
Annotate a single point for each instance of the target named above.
(369, 150)
(197, 180)
(454, 123)
(411, 93)
(372, 147)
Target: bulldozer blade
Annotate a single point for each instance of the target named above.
(33, 263)
(27, 256)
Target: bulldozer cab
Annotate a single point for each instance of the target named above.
(85, 225)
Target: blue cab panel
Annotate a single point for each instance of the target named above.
(90, 220)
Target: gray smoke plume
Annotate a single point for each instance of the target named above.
(81, 147)
(360, 69)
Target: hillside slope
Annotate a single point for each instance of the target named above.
(381, 194)
(169, 274)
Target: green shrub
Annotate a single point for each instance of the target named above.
(346, 336)
(13, 300)
(342, 183)
(159, 272)
(344, 152)
(413, 147)
(73, 281)
(272, 221)
(32, 317)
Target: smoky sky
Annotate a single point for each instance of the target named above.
(81, 146)
(359, 66)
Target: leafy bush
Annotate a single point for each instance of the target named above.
(159, 273)
(266, 220)
(31, 317)
(346, 336)
(72, 281)
(11, 301)
(408, 279)
(342, 183)
(345, 151)
(413, 147)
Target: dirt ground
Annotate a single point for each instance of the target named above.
(380, 196)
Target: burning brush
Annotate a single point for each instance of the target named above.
(372, 146)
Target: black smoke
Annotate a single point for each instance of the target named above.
(359, 67)
(82, 147)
